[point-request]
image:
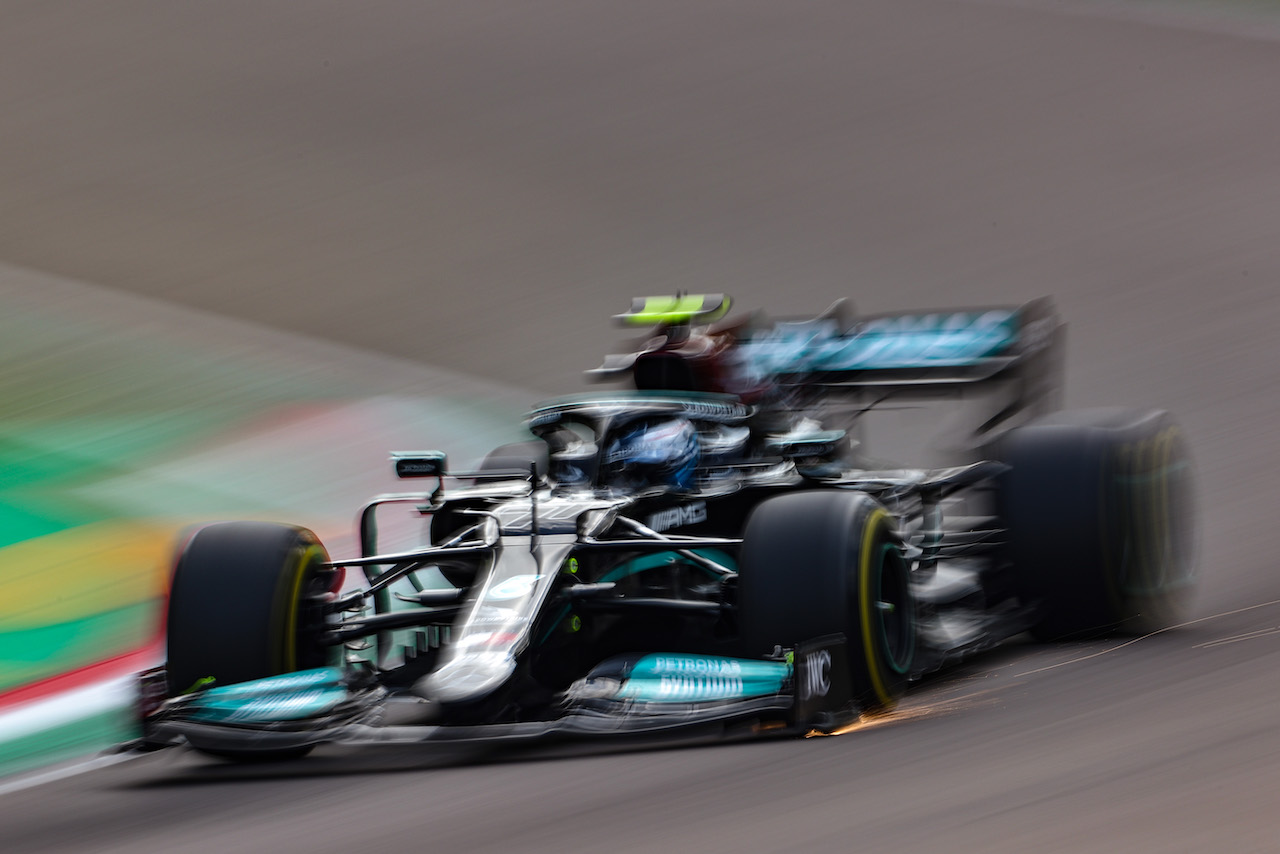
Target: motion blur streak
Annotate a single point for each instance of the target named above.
(479, 186)
(120, 432)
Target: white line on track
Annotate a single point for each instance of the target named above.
(1166, 629)
(1259, 633)
(62, 772)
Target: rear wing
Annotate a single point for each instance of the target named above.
(1004, 363)
(911, 351)
(1007, 362)
(1007, 359)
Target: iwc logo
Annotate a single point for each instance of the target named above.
(815, 674)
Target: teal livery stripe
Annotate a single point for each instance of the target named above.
(920, 341)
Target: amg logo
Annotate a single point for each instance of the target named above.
(676, 517)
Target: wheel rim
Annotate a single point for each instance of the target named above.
(300, 619)
(1153, 498)
(894, 610)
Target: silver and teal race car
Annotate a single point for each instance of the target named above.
(713, 548)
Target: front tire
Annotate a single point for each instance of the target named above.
(244, 605)
(820, 563)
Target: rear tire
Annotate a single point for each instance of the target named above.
(1099, 507)
(820, 563)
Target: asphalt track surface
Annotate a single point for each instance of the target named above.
(479, 186)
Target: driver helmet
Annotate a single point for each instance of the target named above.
(653, 453)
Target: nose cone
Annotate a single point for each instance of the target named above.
(469, 676)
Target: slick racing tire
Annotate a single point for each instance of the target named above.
(245, 604)
(820, 563)
(1100, 517)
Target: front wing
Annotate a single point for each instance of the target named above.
(805, 690)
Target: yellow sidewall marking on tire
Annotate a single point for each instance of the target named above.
(867, 607)
(1152, 518)
(1143, 523)
(289, 643)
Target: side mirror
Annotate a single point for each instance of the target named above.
(419, 463)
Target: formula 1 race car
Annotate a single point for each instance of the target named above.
(714, 547)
